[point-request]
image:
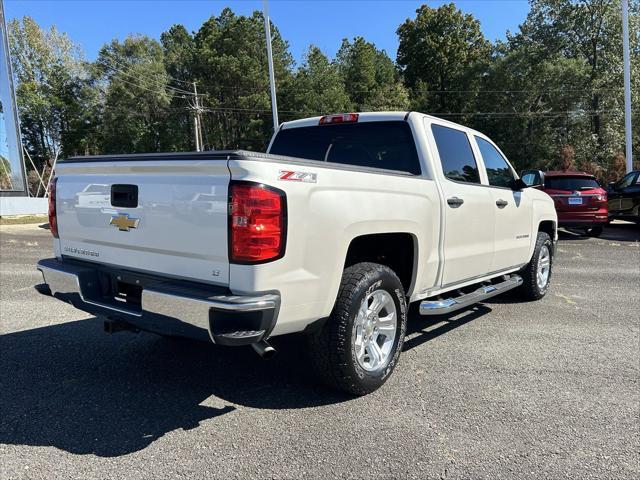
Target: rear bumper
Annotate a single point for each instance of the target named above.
(582, 219)
(163, 305)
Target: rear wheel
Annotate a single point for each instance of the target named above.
(537, 274)
(358, 347)
(595, 231)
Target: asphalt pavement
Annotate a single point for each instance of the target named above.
(547, 389)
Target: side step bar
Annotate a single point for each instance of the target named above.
(440, 307)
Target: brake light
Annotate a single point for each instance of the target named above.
(601, 197)
(340, 118)
(257, 223)
(53, 218)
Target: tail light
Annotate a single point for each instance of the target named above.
(257, 223)
(53, 218)
(340, 118)
(602, 197)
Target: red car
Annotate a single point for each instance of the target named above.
(581, 203)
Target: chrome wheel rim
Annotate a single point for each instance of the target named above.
(544, 267)
(374, 331)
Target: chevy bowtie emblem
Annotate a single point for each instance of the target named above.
(124, 222)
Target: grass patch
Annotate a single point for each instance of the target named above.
(24, 219)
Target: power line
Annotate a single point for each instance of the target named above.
(144, 88)
(556, 90)
(129, 66)
(132, 75)
(240, 91)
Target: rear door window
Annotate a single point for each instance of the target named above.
(387, 145)
(456, 156)
(498, 170)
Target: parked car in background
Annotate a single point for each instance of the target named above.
(580, 201)
(624, 198)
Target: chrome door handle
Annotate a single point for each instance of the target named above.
(455, 202)
(501, 203)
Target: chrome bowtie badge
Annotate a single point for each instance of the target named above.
(124, 222)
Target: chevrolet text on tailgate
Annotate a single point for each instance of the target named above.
(332, 233)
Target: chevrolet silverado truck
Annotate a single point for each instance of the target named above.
(345, 221)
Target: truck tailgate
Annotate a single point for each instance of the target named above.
(176, 225)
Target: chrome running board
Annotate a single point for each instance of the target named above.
(440, 307)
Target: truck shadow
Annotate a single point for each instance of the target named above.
(421, 330)
(76, 388)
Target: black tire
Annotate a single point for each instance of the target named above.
(593, 231)
(530, 290)
(331, 350)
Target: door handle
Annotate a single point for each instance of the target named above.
(501, 203)
(455, 202)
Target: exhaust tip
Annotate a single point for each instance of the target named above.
(263, 349)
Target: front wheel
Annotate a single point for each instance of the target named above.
(359, 345)
(537, 274)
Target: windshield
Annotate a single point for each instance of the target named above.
(571, 183)
(387, 145)
(626, 181)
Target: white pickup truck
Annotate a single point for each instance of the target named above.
(345, 221)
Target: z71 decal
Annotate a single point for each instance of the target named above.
(291, 176)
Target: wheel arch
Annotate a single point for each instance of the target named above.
(548, 226)
(396, 250)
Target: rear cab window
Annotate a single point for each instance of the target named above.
(570, 183)
(387, 145)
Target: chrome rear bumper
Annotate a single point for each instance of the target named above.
(164, 306)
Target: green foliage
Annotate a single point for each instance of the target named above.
(563, 80)
(553, 86)
(136, 99)
(368, 75)
(52, 90)
(317, 87)
(179, 51)
(443, 55)
(231, 65)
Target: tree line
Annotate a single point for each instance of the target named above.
(550, 94)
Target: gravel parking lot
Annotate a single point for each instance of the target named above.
(507, 389)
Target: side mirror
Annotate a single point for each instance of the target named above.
(532, 178)
(519, 184)
(611, 185)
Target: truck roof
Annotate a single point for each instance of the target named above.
(362, 117)
(373, 117)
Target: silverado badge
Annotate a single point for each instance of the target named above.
(124, 222)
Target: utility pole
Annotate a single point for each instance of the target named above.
(196, 120)
(272, 81)
(627, 84)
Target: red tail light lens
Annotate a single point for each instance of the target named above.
(53, 219)
(257, 223)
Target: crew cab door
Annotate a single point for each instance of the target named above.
(513, 209)
(467, 245)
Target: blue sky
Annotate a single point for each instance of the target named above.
(92, 23)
